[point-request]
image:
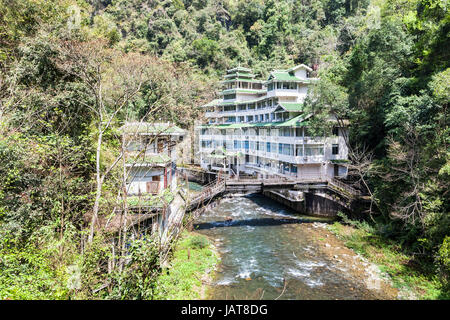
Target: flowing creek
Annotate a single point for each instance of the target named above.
(268, 251)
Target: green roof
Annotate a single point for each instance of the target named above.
(216, 156)
(240, 74)
(148, 200)
(151, 128)
(283, 76)
(148, 159)
(238, 90)
(297, 121)
(291, 106)
(286, 75)
(220, 102)
(243, 79)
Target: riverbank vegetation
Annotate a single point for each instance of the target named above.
(191, 269)
(411, 276)
(67, 67)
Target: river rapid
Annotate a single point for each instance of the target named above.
(268, 251)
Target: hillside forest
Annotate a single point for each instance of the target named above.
(73, 71)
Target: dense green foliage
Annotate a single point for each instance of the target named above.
(384, 65)
(192, 259)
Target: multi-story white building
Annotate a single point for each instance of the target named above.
(259, 127)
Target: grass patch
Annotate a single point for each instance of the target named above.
(148, 200)
(192, 257)
(406, 275)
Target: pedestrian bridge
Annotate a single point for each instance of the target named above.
(330, 188)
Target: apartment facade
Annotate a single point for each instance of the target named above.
(259, 127)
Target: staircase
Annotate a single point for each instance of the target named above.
(209, 191)
(343, 188)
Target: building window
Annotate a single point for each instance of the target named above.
(229, 108)
(286, 149)
(298, 150)
(335, 131)
(335, 149)
(285, 132)
(273, 147)
(314, 150)
(229, 96)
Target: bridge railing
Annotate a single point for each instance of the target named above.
(209, 191)
(219, 185)
(344, 186)
(332, 182)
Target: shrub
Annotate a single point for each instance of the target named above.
(199, 242)
(444, 259)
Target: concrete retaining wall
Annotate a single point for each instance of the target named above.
(321, 204)
(314, 204)
(297, 205)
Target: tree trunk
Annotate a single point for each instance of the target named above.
(99, 188)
